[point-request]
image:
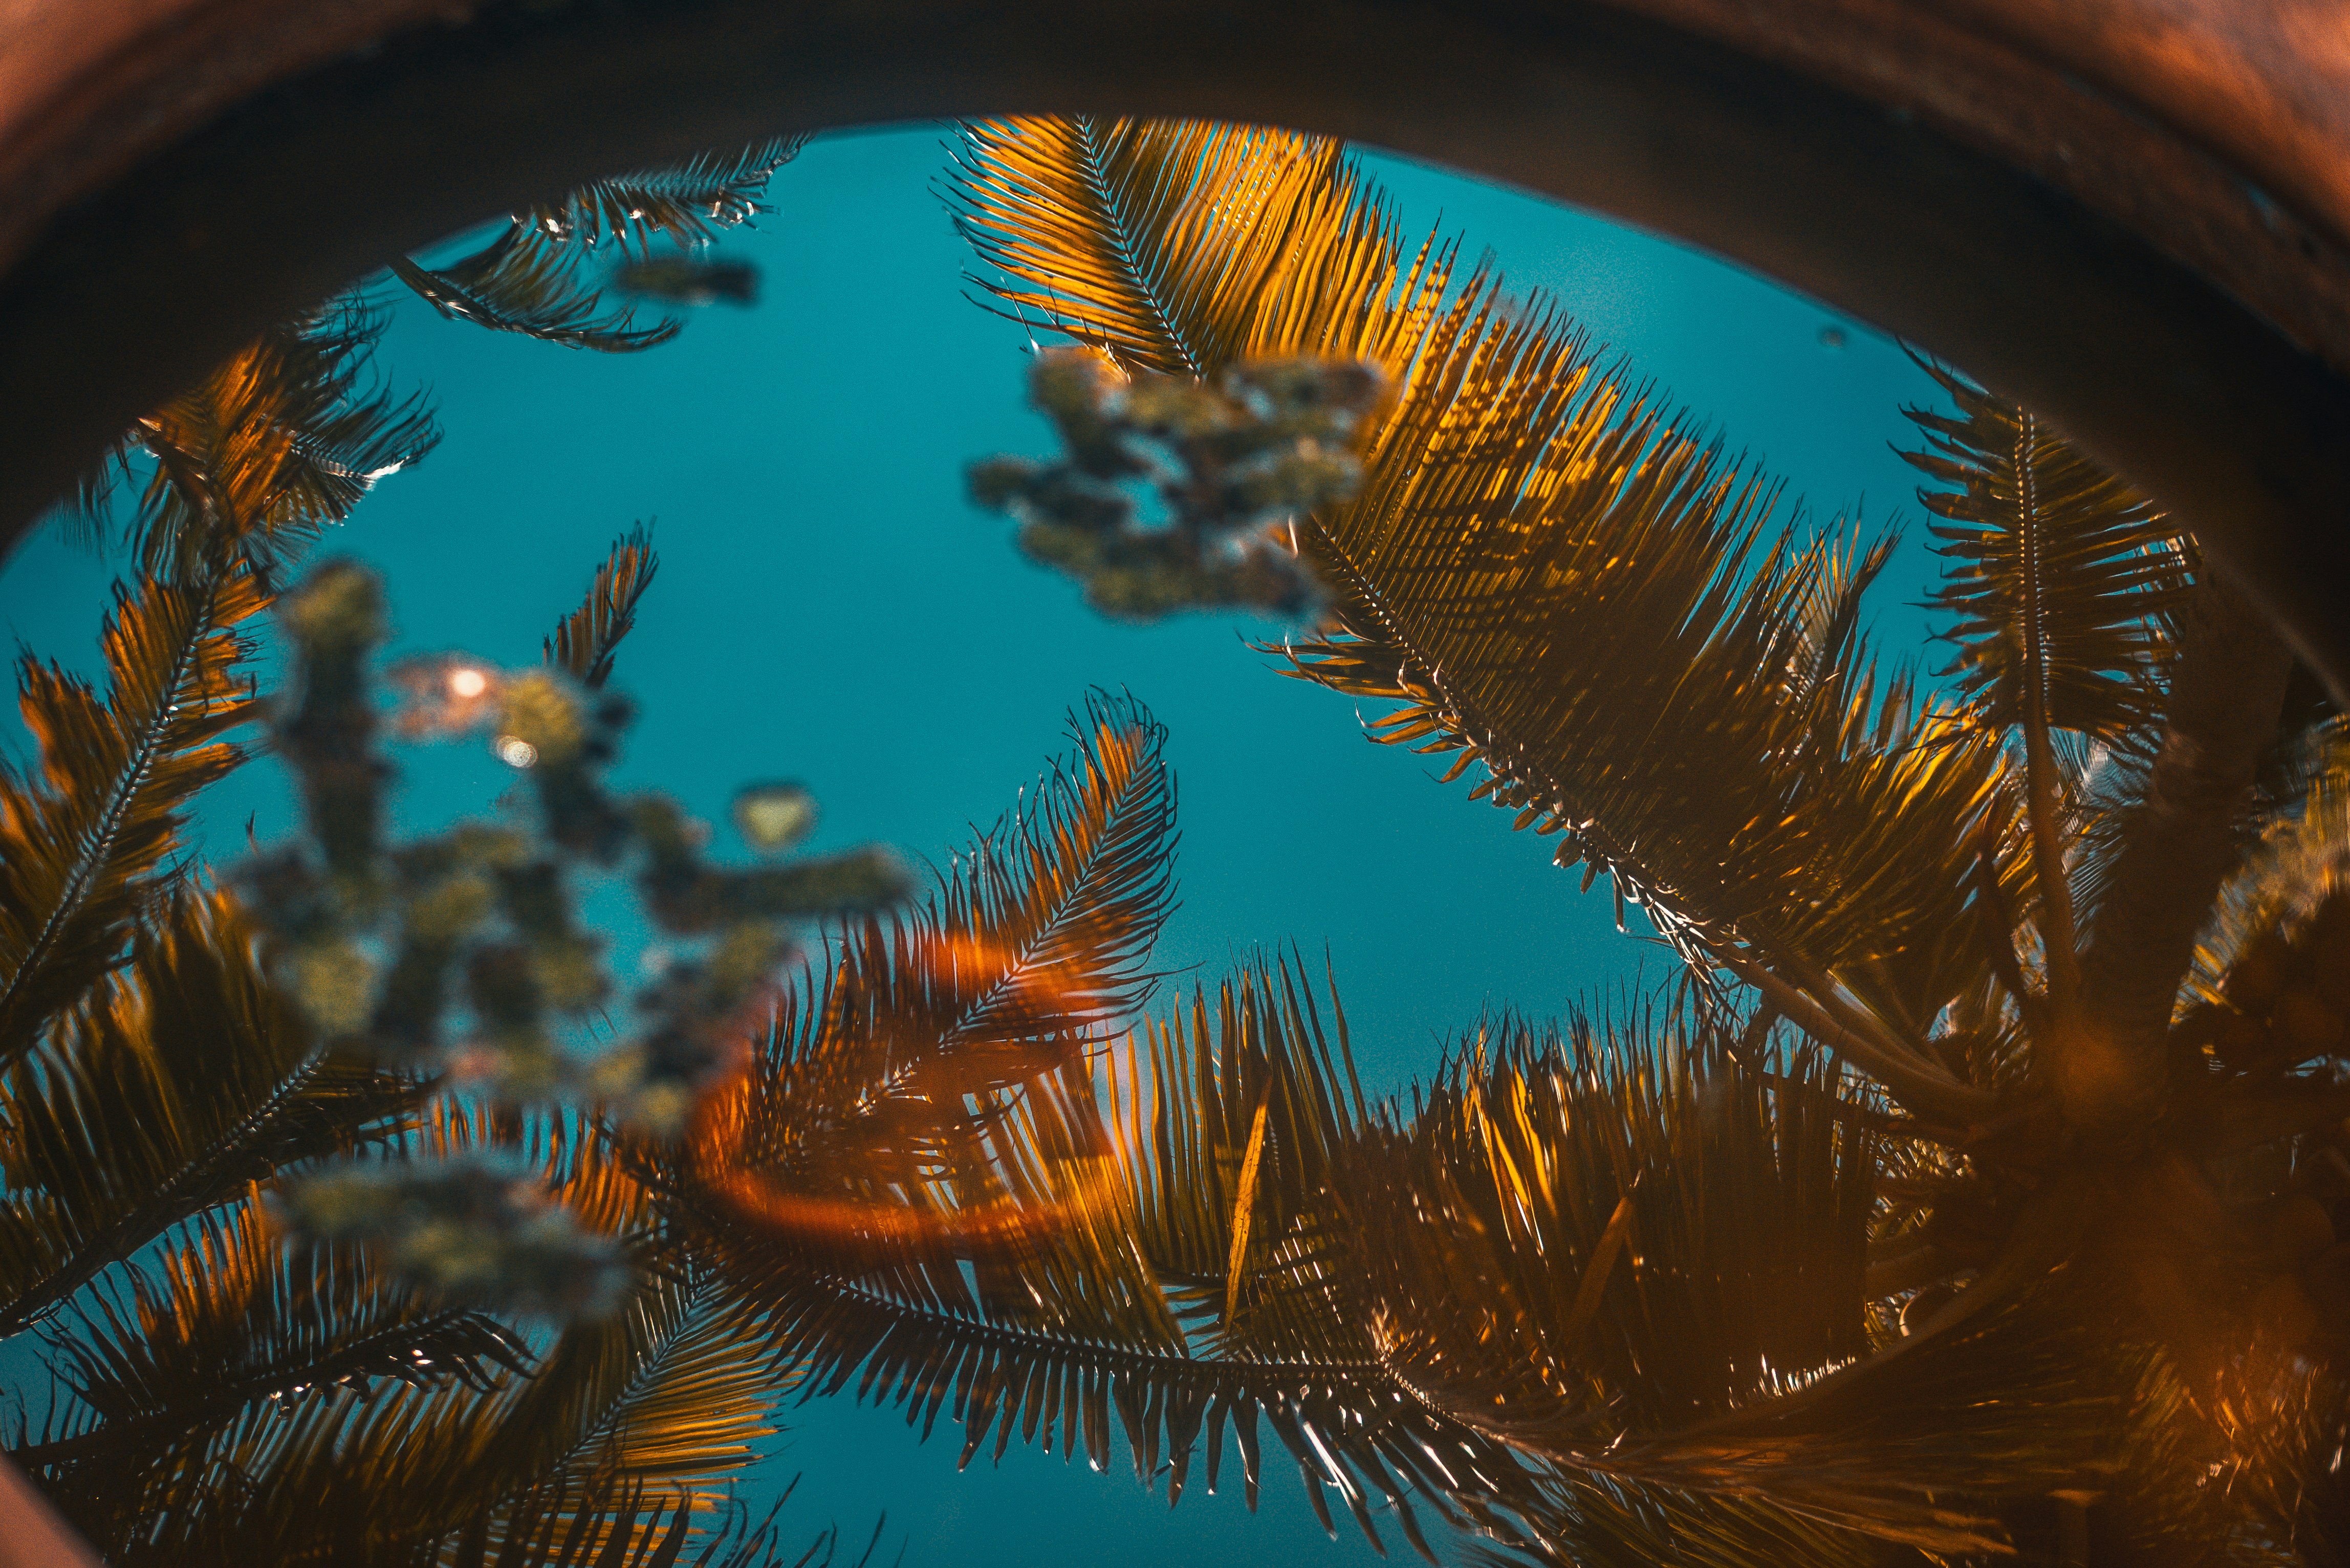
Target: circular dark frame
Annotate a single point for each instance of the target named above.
(1960, 242)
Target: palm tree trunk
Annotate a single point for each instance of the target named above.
(2176, 848)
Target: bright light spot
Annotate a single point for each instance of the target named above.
(516, 752)
(468, 682)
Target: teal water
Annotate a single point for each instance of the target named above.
(829, 608)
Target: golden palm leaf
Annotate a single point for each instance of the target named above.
(281, 440)
(81, 843)
(402, 1475)
(1550, 575)
(167, 1352)
(1182, 247)
(301, 1406)
(163, 1095)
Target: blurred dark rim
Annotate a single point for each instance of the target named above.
(1957, 238)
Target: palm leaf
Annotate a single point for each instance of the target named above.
(1562, 585)
(1030, 950)
(1061, 1327)
(2063, 583)
(1617, 1250)
(1251, 1115)
(525, 282)
(621, 1421)
(2063, 580)
(1182, 247)
(1667, 714)
(84, 843)
(278, 442)
(233, 1316)
(407, 1475)
(1655, 1233)
(691, 202)
(918, 1186)
(672, 1392)
(161, 1096)
(584, 644)
(529, 278)
(2301, 858)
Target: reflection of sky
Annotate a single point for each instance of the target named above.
(829, 608)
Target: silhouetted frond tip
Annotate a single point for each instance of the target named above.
(523, 283)
(531, 279)
(584, 644)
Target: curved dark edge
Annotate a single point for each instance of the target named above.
(132, 295)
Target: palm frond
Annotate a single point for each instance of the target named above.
(81, 846)
(691, 202)
(531, 278)
(161, 1096)
(277, 443)
(1559, 583)
(1572, 1163)
(1031, 949)
(678, 1394)
(1924, 1450)
(524, 282)
(1616, 1252)
(584, 644)
(1666, 715)
(2301, 858)
(232, 1315)
(1180, 246)
(612, 1442)
(919, 1187)
(2062, 578)
(1070, 1322)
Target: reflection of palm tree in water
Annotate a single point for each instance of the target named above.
(1976, 1190)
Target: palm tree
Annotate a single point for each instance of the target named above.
(1971, 1191)
(2066, 929)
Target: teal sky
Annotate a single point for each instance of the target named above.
(829, 608)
